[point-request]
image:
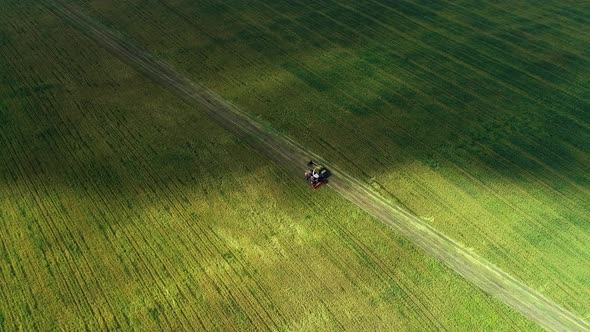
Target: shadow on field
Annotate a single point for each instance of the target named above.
(372, 98)
(380, 107)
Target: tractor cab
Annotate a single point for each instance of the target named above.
(315, 173)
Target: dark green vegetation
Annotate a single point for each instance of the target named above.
(121, 206)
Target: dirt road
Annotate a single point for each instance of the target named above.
(291, 155)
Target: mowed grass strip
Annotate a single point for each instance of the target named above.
(124, 209)
(471, 116)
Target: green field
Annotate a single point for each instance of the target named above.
(122, 207)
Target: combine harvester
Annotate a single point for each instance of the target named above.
(317, 175)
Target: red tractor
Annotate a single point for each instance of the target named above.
(316, 174)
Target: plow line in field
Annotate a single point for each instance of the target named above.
(291, 155)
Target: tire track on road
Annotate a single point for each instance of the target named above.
(288, 153)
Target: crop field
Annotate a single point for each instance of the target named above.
(123, 207)
(473, 116)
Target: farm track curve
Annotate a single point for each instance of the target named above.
(289, 154)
